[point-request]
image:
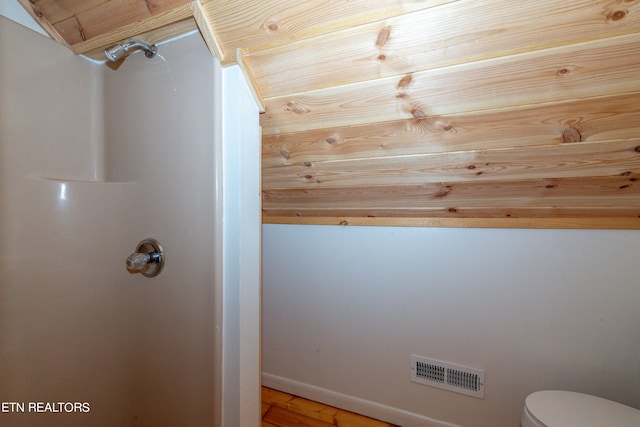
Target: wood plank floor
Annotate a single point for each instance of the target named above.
(284, 410)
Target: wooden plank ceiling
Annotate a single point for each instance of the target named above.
(482, 113)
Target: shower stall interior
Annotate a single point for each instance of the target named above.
(92, 162)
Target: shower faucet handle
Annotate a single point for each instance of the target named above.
(148, 259)
(137, 261)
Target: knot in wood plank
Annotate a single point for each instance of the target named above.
(334, 139)
(443, 192)
(571, 134)
(296, 108)
(405, 81)
(617, 15)
(36, 10)
(417, 113)
(383, 37)
(285, 154)
(271, 26)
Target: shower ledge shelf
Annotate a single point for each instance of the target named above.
(80, 180)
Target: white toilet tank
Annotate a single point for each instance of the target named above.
(553, 408)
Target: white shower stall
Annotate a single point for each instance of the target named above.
(92, 161)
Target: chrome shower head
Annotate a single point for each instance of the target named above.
(117, 51)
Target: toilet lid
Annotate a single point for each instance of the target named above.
(568, 409)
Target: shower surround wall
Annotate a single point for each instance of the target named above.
(91, 162)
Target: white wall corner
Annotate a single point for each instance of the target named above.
(242, 256)
(14, 11)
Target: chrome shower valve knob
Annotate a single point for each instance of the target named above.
(137, 261)
(148, 259)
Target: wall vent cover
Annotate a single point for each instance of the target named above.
(448, 376)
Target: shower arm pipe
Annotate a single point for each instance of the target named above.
(117, 51)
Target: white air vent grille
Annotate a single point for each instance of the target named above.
(448, 376)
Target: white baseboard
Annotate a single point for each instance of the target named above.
(350, 403)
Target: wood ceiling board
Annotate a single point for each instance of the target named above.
(56, 11)
(595, 119)
(78, 21)
(157, 35)
(115, 14)
(207, 31)
(625, 217)
(612, 192)
(486, 212)
(173, 18)
(100, 20)
(597, 68)
(427, 39)
(258, 24)
(70, 30)
(583, 159)
(610, 223)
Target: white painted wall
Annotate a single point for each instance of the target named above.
(345, 307)
(242, 234)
